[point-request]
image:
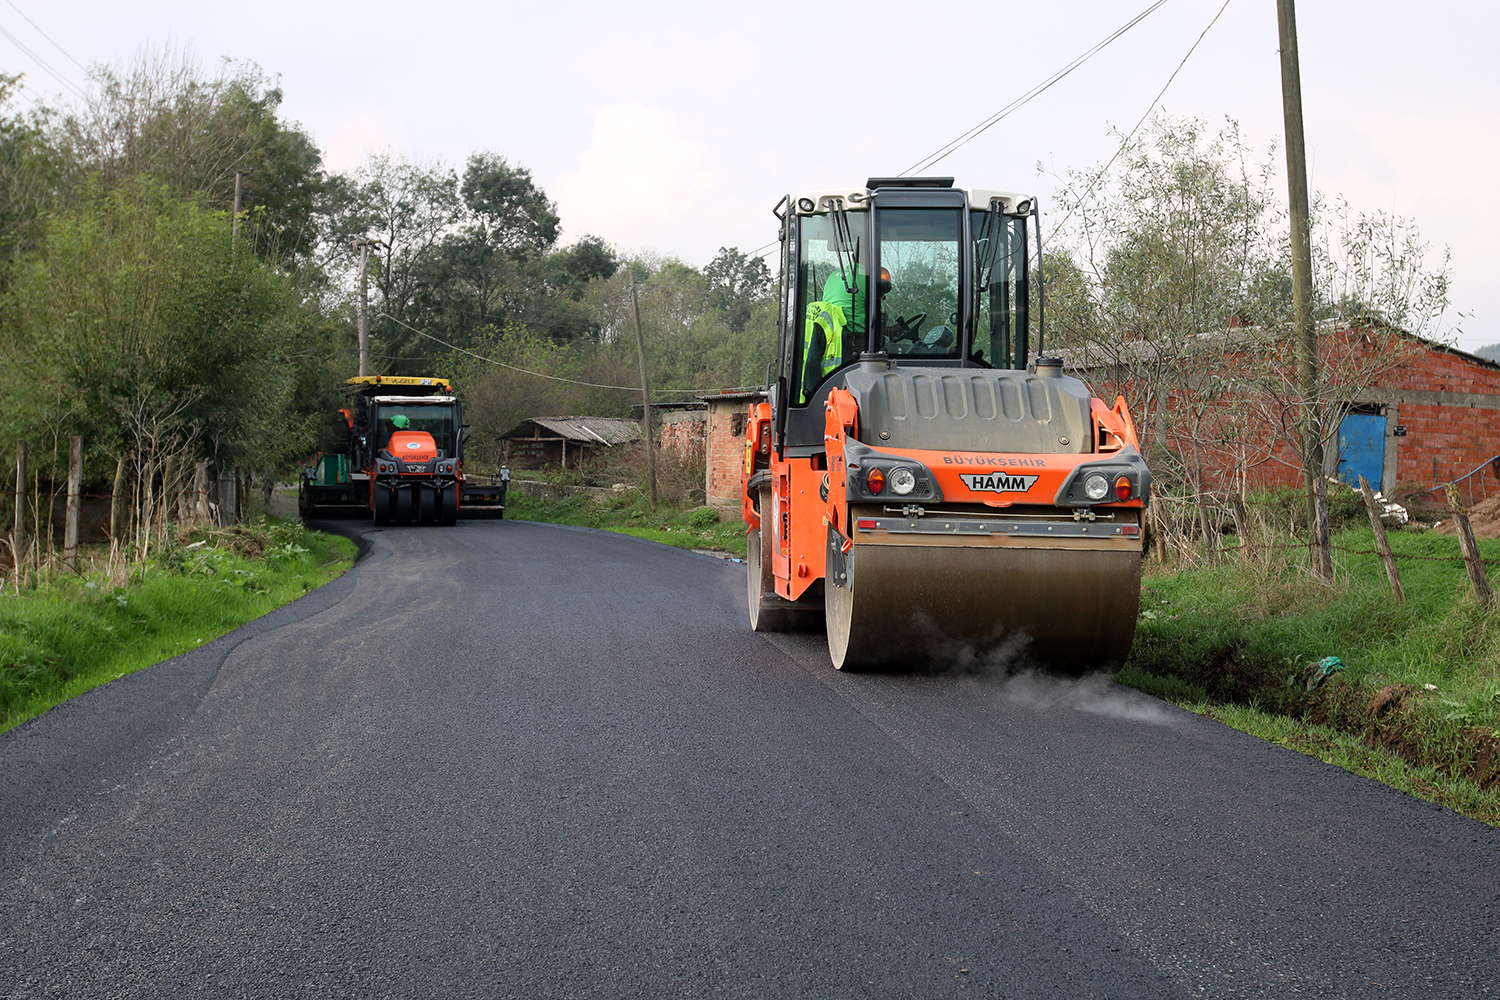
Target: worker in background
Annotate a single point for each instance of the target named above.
(400, 422)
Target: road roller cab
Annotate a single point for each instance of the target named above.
(915, 479)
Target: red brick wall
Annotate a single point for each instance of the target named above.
(1443, 441)
(726, 451)
(682, 429)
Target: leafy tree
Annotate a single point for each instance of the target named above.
(138, 326)
(736, 283)
(410, 209)
(29, 173)
(166, 118)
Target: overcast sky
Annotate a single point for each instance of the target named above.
(675, 127)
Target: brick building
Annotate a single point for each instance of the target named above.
(680, 426)
(1431, 416)
(725, 459)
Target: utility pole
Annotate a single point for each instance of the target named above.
(234, 224)
(640, 349)
(1302, 325)
(363, 246)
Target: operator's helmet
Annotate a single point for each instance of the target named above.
(401, 421)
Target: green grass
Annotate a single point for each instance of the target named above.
(1417, 704)
(631, 512)
(74, 633)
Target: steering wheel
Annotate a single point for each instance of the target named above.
(908, 327)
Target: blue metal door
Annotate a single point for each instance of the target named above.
(1362, 449)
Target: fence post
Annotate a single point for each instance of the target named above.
(1382, 543)
(75, 488)
(168, 490)
(200, 490)
(1210, 540)
(1242, 527)
(18, 544)
(1472, 562)
(117, 500)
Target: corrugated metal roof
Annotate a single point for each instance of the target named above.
(607, 431)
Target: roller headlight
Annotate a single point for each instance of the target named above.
(1095, 486)
(902, 480)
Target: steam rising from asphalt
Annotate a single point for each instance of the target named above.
(1094, 693)
(1025, 685)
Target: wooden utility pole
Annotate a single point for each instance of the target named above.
(239, 190)
(75, 498)
(640, 349)
(1302, 325)
(363, 304)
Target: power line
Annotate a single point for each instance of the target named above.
(934, 158)
(1105, 169)
(524, 371)
(41, 62)
(49, 38)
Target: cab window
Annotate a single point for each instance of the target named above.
(918, 252)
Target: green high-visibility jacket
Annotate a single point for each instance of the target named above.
(822, 345)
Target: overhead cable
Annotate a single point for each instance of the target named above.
(524, 371)
(49, 38)
(42, 63)
(1099, 176)
(932, 159)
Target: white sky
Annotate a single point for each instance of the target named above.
(675, 127)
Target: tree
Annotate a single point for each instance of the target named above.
(166, 118)
(29, 174)
(1186, 256)
(736, 283)
(137, 326)
(411, 209)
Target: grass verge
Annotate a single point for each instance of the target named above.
(1416, 703)
(74, 633)
(631, 512)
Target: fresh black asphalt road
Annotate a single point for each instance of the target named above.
(530, 761)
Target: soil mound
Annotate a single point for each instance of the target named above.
(1483, 516)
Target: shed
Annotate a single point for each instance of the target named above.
(542, 441)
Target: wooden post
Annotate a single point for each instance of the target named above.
(640, 349)
(1472, 562)
(75, 487)
(1210, 539)
(168, 489)
(148, 502)
(200, 491)
(18, 542)
(1242, 527)
(117, 501)
(1382, 543)
(1304, 334)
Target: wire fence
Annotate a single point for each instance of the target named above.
(1195, 525)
